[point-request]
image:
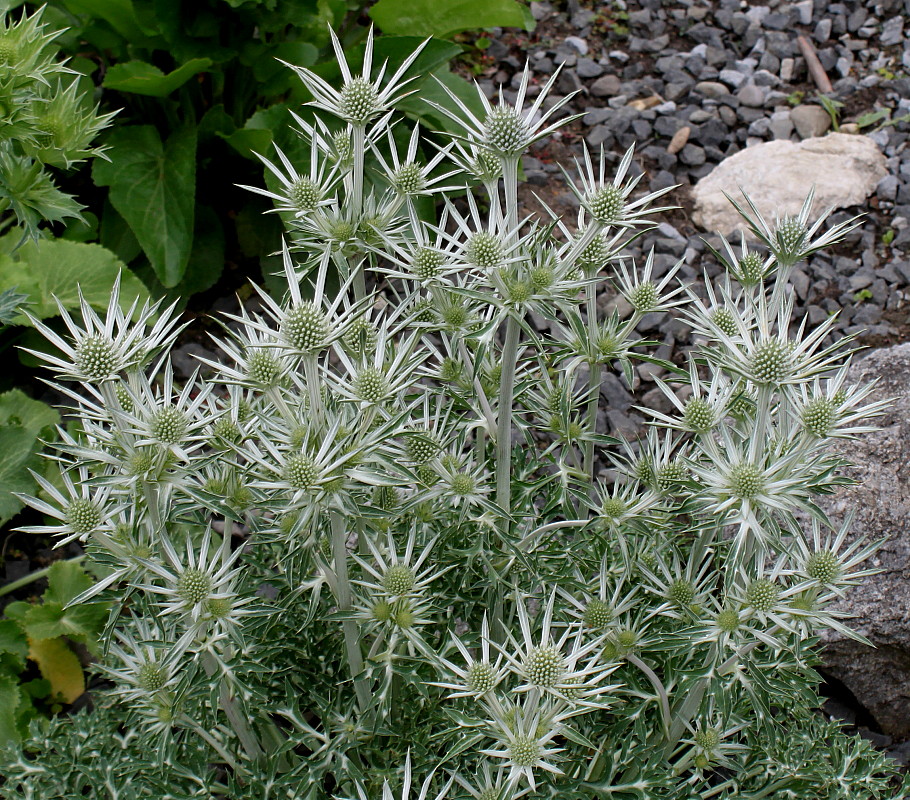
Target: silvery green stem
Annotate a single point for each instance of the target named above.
(510, 191)
(504, 422)
(359, 145)
(232, 710)
(595, 376)
(311, 373)
(349, 627)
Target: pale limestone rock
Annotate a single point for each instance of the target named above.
(778, 175)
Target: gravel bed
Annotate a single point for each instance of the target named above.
(691, 83)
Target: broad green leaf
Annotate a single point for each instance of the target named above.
(119, 14)
(65, 580)
(117, 236)
(17, 456)
(140, 77)
(18, 410)
(431, 90)
(436, 18)
(13, 641)
(153, 186)
(52, 268)
(50, 620)
(9, 700)
(60, 666)
(257, 133)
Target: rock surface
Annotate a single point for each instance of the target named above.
(778, 175)
(880, 677)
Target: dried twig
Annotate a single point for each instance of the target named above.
(816, 70)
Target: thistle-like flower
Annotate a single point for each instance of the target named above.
(361, 98)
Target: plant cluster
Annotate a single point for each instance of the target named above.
(376, 553)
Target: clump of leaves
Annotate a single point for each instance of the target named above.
(41, 649)
(47, 120)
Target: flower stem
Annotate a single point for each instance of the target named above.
(504, 421)
(595, 376)
(37, 575)
(349, 627)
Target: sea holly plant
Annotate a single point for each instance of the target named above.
(383, 549)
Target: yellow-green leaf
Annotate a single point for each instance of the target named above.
(59, 666)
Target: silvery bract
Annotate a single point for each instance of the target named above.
(385, 550)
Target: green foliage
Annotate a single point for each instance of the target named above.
(23, 422)
(888, 236)
(38, 638)
(433, 18)
(833, 108)
(153, 188)
(46, 120)
(54, 271)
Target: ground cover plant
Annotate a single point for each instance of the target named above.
(376, 554)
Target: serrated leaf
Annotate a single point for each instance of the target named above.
(140, 77)
(60, 666)
(50, 620)
(9, 701)
(59, 267)
(153, 187)
(13, 642)
(18, 410)
(65, 580)
(17, 456)
(434, 18)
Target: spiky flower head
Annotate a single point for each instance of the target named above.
(790, 235)
(670, 475)
(398, 579)
(750, 270)
(746, 481)
(305, 327)
(305, 194)
(723, 318)
(505, 131)
(707, 739)
(421, 447)
(370, 385)
(595, 254)
(770, 362)
(727, 620)
(426, 263)
(301, 472)
(169, 425)
(819, 416)
(481, 677)
(360, 336)
(681, 592)
(409, 179)
(462, 484)
(194, 585)
(524, 751)
(96, 358)
(597, 614)
(644, 297)
(82, 515)
(359, 101)
(544, 666)
(484, 250)
(698, 416)
(823, 566)
(606, 204)
(263, 368)
(762, 594)
(151, 676)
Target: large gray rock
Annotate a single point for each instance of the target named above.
(778, 175)
(879, 677)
